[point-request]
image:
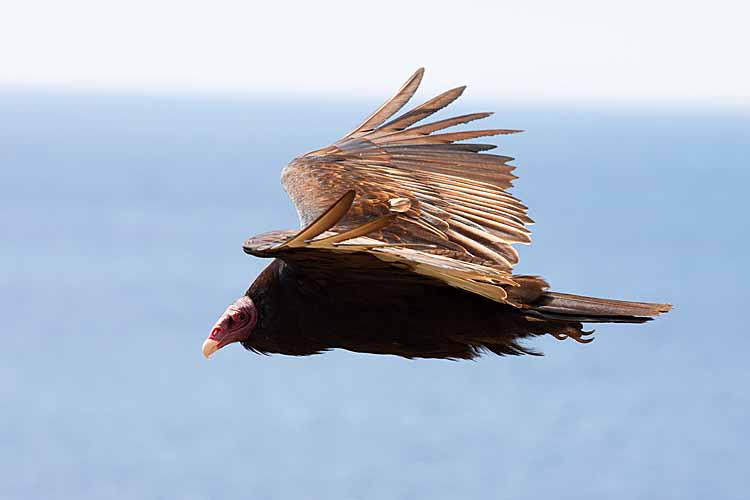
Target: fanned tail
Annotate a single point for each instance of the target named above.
(568, 307)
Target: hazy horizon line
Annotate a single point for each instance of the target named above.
(632, 103)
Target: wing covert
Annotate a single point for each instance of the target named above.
(326, 251)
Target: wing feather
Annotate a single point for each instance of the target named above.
(424, 110)
(392, 105)
(426, 129)
(449, 196)
(449, 137)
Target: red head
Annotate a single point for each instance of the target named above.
(235, 325)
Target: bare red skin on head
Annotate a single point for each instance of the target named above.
(236, 324)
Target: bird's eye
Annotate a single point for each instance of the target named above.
(240, 317)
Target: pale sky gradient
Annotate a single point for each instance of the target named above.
(636, 51)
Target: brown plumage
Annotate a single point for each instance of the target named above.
(406, 249)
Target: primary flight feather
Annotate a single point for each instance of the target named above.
(406, 248)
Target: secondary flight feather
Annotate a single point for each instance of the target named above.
(406, 248)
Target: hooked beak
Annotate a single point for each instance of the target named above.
(210, 346)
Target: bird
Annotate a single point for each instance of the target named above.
(406, 248)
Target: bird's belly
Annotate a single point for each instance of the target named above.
(439, 322)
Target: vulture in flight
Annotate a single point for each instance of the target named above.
(406, 248)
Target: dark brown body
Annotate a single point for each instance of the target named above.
(298, 316)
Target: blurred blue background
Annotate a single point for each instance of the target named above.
(123, 218)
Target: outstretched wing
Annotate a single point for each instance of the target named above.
(450, 196)
(326, 251)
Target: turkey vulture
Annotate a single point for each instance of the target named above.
(406, 248)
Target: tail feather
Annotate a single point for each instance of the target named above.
(568, 307)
